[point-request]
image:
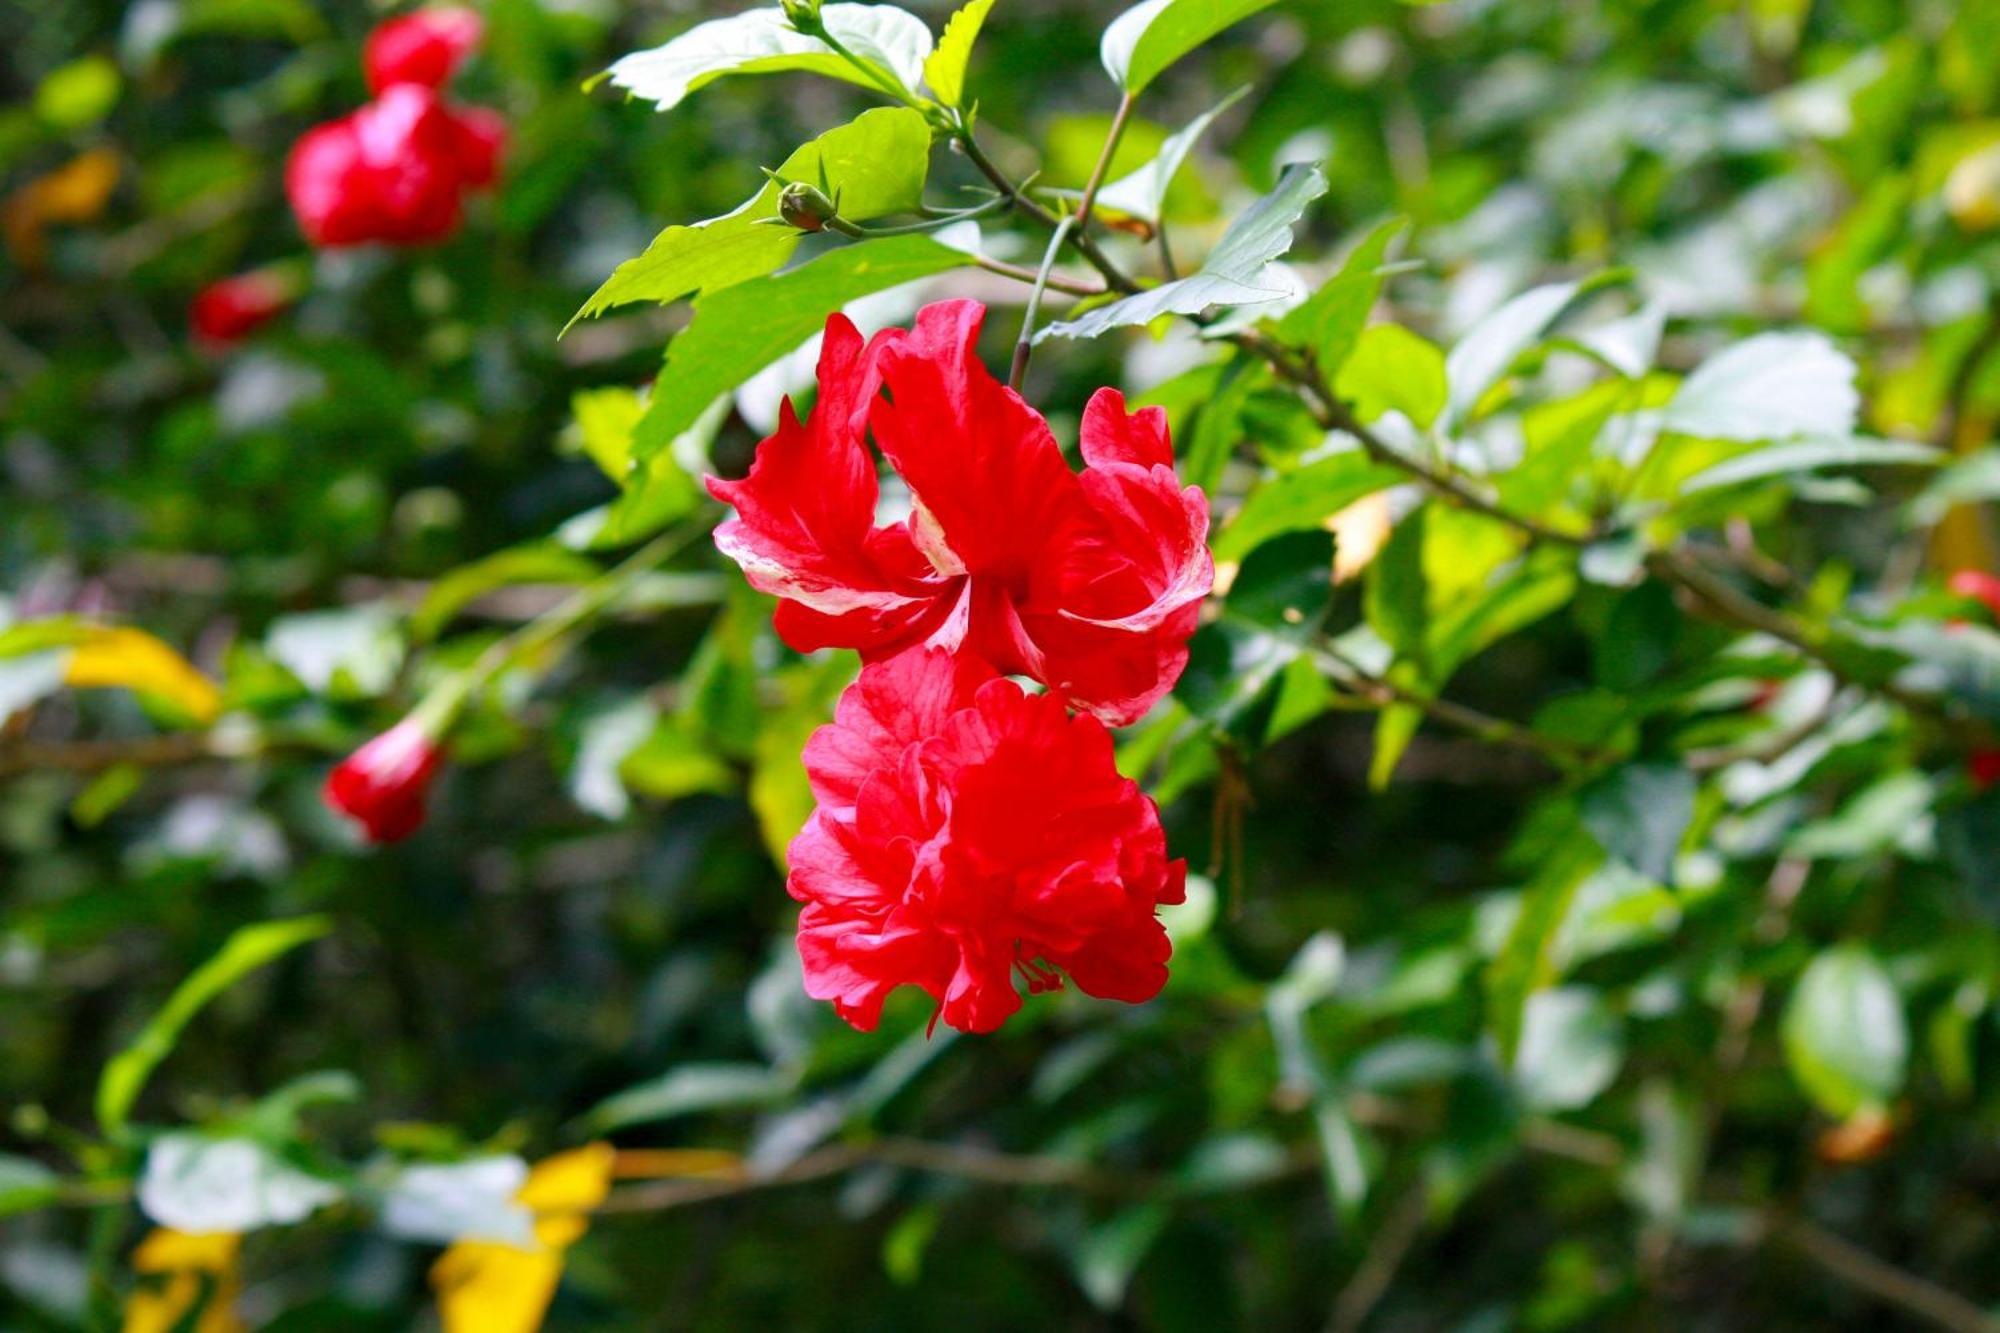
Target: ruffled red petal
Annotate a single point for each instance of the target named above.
(970, 831)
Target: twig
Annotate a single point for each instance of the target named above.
(1024, 346)
(1085, 246)
(1886, 1282)
(1382, 692)
(1377, 1269)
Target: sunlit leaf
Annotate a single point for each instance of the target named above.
(739, 330)
(1233, 273)
(1844, 1033)
(762, 41)
(1770, 387)
(200, 1185)
(1145, 39)
(875, 165)
(1144, 192)
(944, 70)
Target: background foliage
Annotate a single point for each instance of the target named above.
(1599, 919)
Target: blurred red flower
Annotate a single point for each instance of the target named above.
(395, 171)
(1983, 767)
(383, 785)
(1089, 583)
(229, 309)
(968, 833)
(426, 47)
(1978, 585)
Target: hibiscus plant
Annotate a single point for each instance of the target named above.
(1371, 700)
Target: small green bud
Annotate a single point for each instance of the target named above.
(806, 207)
(803, 15)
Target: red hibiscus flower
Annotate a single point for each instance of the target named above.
(1979, 586)
(230, 309)
(426, 47)
(383, 784)
(1983, 767)
(395, 171)
(1089, 583)
(969, 833)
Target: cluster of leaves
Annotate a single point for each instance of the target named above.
(1592, 765)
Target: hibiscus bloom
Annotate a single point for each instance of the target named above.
(968, 833)
(230, 309)
(394, 171)
(383, 785)
(1088, 582)
(426, 47)
(1979, 586)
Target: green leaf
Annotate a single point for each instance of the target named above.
(876, 164)
(1230, 273)
(1305, 498)
(1393, 370)
(739, 330)
(1571, 1047)
(762, 41)
(1331, 319)
(1526, 962)
(1284, 584)
(78, 94)
(1801, 456)
(1844, 1033)
(944, 71)
(1148, 37)
(1770, 387)
(537, 563)
(1639, 813)
(245, 951)
(25, 1184)
(1143, 193)
(686, 1090)
(1396, 598)
(1489, 348)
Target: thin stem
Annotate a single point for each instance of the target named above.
(1024, 346)
(1884, 1281)
(1167, 264)
(934, 221)
(1382, 692)
(1104, 155)
(1116, 277)
(1019, 274)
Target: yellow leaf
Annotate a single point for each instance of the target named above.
(179, 1273)
(488, 1287)
(563, 1188)
(77, 191)
(114, 657)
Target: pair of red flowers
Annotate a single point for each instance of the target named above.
(967, 832)
(397, 170)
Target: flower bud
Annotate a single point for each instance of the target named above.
(382, 785)
(230, 309)
(803, 15)
(805, 207)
